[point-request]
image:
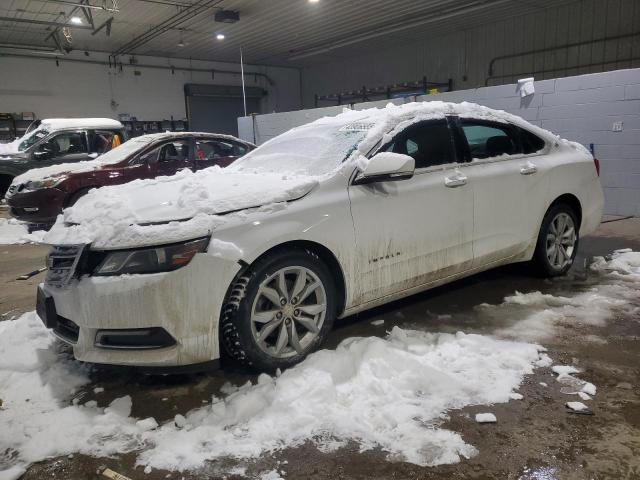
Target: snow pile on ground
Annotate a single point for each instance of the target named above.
(38, 418)
(389, 393)
(12, 232)
(616, 289)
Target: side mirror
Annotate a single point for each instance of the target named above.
(41, 154)
(385, 167)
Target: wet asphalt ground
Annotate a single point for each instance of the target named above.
(535, 438)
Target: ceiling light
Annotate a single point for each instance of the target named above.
(220, 36)
(76, 20)
(314, 1)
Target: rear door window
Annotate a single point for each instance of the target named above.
(101, 141)
(490, 140)
(429, 143)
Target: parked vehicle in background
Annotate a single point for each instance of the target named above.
(324, 221)
(38, 196)
(55, 141)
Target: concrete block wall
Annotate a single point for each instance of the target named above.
(582, 108)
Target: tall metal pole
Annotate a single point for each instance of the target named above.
(244, 94)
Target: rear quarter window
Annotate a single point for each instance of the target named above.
(530, 143)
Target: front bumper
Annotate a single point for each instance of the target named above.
(38, 206)
(185, 303)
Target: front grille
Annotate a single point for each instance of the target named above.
(67, 330)
(62, 263)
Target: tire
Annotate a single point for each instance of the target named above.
(258, 333)
(557, 243)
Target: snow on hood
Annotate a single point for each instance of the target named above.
(186, 205)
(112, 157)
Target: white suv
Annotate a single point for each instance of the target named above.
(324, 221)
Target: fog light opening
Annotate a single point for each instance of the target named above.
(134, 338)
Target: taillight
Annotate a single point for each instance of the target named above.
(596, 162)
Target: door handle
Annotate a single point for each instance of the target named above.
(528, 169)
(455, 181)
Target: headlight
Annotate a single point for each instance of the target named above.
(151, 260)
(46, 183)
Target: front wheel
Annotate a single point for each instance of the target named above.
(279, 311)
(557, 241)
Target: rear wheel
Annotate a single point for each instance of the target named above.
(557, 241)
(279, 311)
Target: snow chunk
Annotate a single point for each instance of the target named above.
(14, 232)
(147, 424)
(98, 390)
(589, 389)
(121, 406)
(577, 406)
(516, 396)
(12, 473)
(486, 418)
(271, 475)
(584, 396)
(377, 323)
(147, 470)
(562, 370)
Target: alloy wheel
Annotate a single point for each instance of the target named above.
(561, 241)
(288, 312)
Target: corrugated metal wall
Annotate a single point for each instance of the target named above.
(466, 55)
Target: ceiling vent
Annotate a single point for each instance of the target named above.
(227, 16)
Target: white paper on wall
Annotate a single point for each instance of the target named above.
(526, 87)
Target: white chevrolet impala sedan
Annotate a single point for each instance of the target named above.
(258, 260)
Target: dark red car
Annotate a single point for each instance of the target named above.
(39, 195)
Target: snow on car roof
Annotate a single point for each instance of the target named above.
(386, 121)
(60, 123)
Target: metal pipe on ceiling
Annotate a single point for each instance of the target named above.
(44, 22)
(404, 25)
(84, 5)
(137, 66)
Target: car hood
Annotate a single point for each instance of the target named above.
(165, 209)
(56, 171)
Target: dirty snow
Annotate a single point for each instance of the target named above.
(390, 393)
(486, 418)
(577, 406)
(13, 232)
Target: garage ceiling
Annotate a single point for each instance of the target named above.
(271, 32)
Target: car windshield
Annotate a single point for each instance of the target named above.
(310, 150)
(116, 155)
(32, 138)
